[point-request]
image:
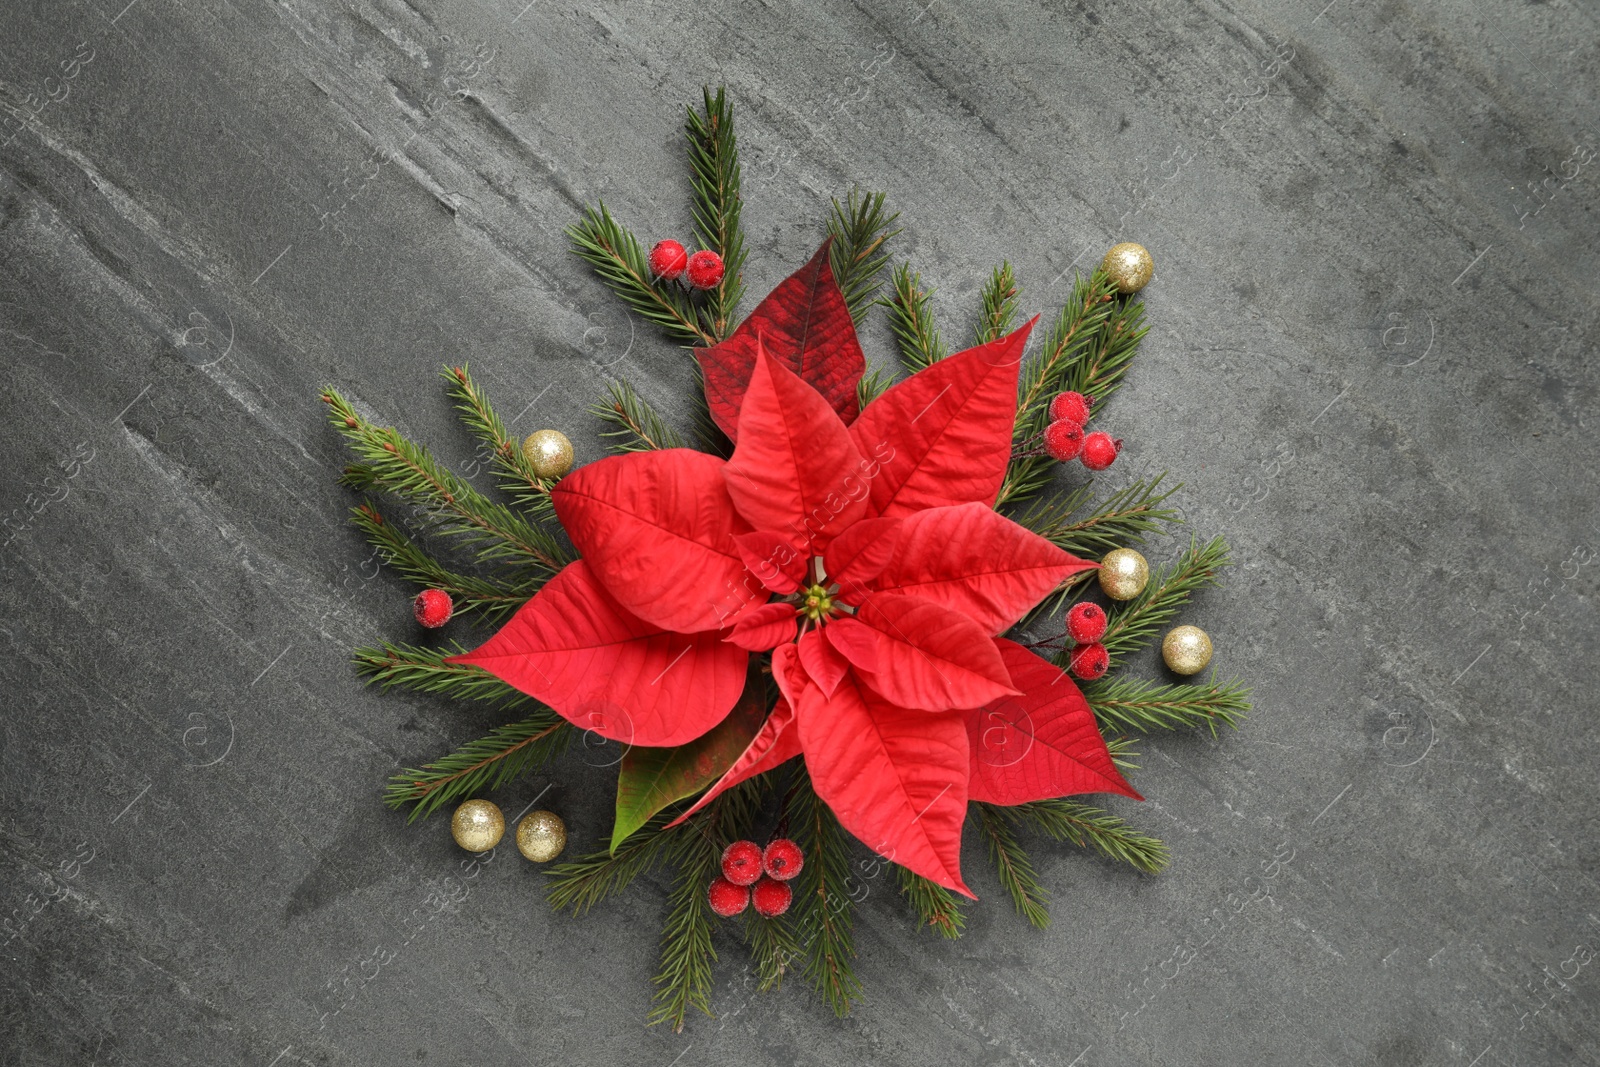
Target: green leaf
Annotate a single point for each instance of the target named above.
(652, 778)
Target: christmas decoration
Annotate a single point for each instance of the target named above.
(741, 862)
(477, 826)
(548, 453)
(1129, 266)
(432, 608)
(1086, 622)
(1073, 407)
(1100, 450)
(782, 859)
(1063, 439)
(1090, 661)
(1186, 649)
(541, 836)
(668, 260)
(771, 898)
(726, 898)
(833, 564)
(1123, 574)
(705, 270)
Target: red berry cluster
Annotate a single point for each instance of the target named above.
(1064, 439)
(670, 261)
(746, 864)
(1086, 624)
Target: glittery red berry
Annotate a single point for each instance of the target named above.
(783, 859)
(667, 260)
(1090, 661)
(741, 862)
(1071, 406)
(1086, 622)
(432, 608)
(1099, 450)
(727, 899)
(705, 269)
(771, 898)
(1063, 440)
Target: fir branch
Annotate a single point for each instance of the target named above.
(860, 231)
(487, 763)
(582, 883)
(1122, 751)
(936, 905)
(1066, 344)
(639, 428)
(425, 671)
(1142, 706)
(393, 464)
(911, 320)
(773, 945)
(822, 903)
(874, 382)
(513, 473)
(467, 593)
(1125, 516)
(616, 256)
(714, 162)
(1000, 295)
(1016, 872)
(1133, 624)
(1098, 370)
(1091, 827)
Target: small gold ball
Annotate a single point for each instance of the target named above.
(1129, 265)
(548, 452)
(1186, 649)
(477, 826)
(1123, 574)
(541, 836)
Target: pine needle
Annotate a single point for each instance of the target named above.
(714, 167)
(468, 594)
(582, 883)
(513, 473)
(425, 671)
(639, 428)
(1142, 706)
(874, 382)
(1126, 516)
(1132, 625)
(616, 256)
(823, 905)
(911, 320)
(1000, 297)
(860, 233)
(487, 763)
(1011, 863)
(773, 946)
(936, 905)
(1091, 827)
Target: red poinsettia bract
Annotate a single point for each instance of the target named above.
(867, 558)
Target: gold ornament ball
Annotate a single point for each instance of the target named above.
(548, 452)
(1123, 574)
(1129, 265)
(1186, 649)
(477, 826)
(541, 836)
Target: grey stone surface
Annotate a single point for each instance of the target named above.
(1371, 364)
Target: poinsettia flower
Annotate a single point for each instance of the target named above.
(868, 559)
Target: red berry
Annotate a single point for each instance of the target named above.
(1086, 622)
(1099, 450)
(705, 269)
(741, 862)
(1063, 440)
(1090, 661)
(771, 898)
(667, 260)
(783, 859)
(432, 608)
(1071, 406)
(727, 899)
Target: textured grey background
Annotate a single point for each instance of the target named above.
(1371, 362)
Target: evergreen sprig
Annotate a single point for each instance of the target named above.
(514, 475)
(1099, 369)
(1000, 296)
(1140, 705)
(582, 883)
(425, 671)
(392, 464)
(1133, 624)
(911, 320)
(1127, 515)
(823, 905)
(874, 381)
(860, 232)
(639, 427)
(617, 257)
(1014, 867)
(487, 763)
(1091, 827)
(467, 593)
(714, 168)
(935, 905)
(773, 946)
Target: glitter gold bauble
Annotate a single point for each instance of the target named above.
(1129, 265)
(1186, 649)
(548, 452)
(1123, 574)
(541, 836)
(477, 826)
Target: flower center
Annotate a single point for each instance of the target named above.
(815, 603)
